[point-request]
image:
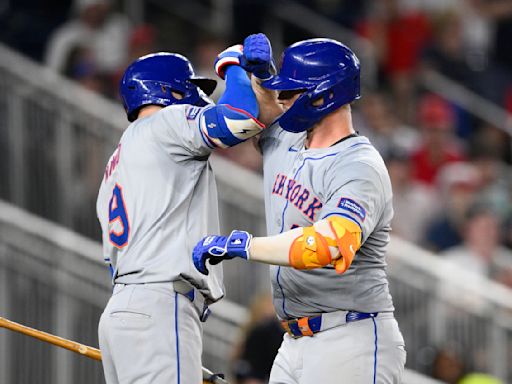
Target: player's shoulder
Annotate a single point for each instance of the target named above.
(171, 118)
(357, 156)
(358, 149)
(184, 111)
(177, 118)
(276, 137)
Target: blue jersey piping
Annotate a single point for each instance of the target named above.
(375, 353)
(282, 223)
(177, 337)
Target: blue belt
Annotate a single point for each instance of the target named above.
(307, 326)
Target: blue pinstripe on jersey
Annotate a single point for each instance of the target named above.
(375, 353)
(282, 220)
(178, 373)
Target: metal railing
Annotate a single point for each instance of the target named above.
(440, 304)
(52, 279)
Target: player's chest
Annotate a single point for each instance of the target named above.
(295, 189)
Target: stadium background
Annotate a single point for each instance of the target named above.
(437, 97)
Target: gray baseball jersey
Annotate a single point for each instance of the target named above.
(157, 199)
(303, 186)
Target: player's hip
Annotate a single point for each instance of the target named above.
(318, 325)
(151, 300)
(370, 350)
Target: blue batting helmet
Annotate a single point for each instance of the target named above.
(151, 79)
(326, 70)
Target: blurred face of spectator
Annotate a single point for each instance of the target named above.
(434, 137)
(437, 120)
(94, 13)
(390, 8)
(448, 367)
(376, 112)
(504, 276)
(399, 172)
(450, 35)
(81, 67)
(494, 139)
(482, 233)
(459, 184)
(488, 168)
(142, 41)
(460, 197)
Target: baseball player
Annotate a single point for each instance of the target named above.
(157, 199)
(328, 210)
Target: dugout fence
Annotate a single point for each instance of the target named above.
(55, 138)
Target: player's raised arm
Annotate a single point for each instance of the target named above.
(189, 124)
(235, 118)
(334, 240)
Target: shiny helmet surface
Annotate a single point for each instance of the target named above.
(152, 79)
(326, 70)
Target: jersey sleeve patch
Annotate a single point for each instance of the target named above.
(353, 207)
(192, 112)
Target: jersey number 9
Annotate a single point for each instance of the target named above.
(119, 226)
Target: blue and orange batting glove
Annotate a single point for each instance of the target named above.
(257, 56)
(219, 248)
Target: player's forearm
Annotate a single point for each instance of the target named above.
(276, 249)
(273, 249)
(234, 119)
(239, 93)
(269, 108)
(334, 240)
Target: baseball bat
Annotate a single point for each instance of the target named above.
(91, 352)
(85, 350)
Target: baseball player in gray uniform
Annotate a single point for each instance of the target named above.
(328, 202)
(157, 199)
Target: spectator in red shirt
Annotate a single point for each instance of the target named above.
(439, 145)
(399, 37)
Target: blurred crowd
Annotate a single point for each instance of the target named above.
(450, 170)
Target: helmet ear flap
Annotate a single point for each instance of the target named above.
(316, 103)
(321, 95)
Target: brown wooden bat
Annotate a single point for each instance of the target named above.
(91, 352)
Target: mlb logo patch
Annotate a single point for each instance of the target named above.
(353, 207)
(192, 112)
